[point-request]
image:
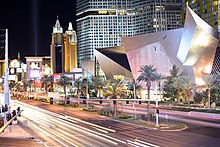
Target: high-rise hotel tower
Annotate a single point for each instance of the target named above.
(63, 49)
(103, 23)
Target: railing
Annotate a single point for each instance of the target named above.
(9, 122)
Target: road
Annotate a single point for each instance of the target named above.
(78, 128)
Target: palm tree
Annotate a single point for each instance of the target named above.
(188, 84)
(148, 74)
(116, 90)
(209, 82)
(63, 81)
(26, 84)
(85, 87)
(177, 83)
(46, 79)
(98, 85)
(135, 87)
(78, 84)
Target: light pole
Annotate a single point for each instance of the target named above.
(135, 115)
(157, 109)
(6, 87)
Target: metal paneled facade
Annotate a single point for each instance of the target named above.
(192, 48)
(103, 23)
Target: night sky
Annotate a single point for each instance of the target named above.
(30, 24)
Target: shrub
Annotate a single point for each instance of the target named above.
(198, 97)
(124, 116)
(75, 105)
(106, 110)
(90, 109)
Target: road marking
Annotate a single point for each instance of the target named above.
(146, 143)
(50, 135)
(100, 130)
(58, 136)
(136, 143)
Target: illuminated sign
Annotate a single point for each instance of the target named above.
(34, 65)
(14, 63)
(34, 73)
(18, 70)
(33, 59)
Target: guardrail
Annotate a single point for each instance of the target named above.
(10, 121)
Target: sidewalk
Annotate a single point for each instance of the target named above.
(16, 136)
(14, 130)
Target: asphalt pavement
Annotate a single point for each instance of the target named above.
(194, 135)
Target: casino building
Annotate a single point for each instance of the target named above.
(192, 49)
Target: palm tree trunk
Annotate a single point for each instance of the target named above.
(115, 108)
(78, 96)
(65, 95)
(148, 102)
(209, 99)
(46, 88)
(178, 95)
(188, 94)
(51, 86)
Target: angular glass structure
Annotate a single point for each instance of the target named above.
(192, 49)
(103, 23)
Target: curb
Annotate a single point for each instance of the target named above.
(176, 129)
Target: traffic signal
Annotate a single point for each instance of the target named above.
(68, 101)
(139, 102)
(6, 107)
(8, 116)
(19, 109)
(114, 102)
(14, 114)
(51, 101)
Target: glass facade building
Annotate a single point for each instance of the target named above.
(208, 10)
(103, 23)
(156, 15)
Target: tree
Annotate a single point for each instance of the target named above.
(135, 87)
(85, 87)
(115, 90)
(63, 81)
(188, 84)
(209, 83)
(148, 74)
(174, 72)
(27, 84)
(98, 85)
(169, 90)
(78, 84)
(46, 79)
(199, 96)
(177, 83)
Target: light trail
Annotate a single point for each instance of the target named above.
(50, 136)
(51, 122)
(59, 136)
(153, 145)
